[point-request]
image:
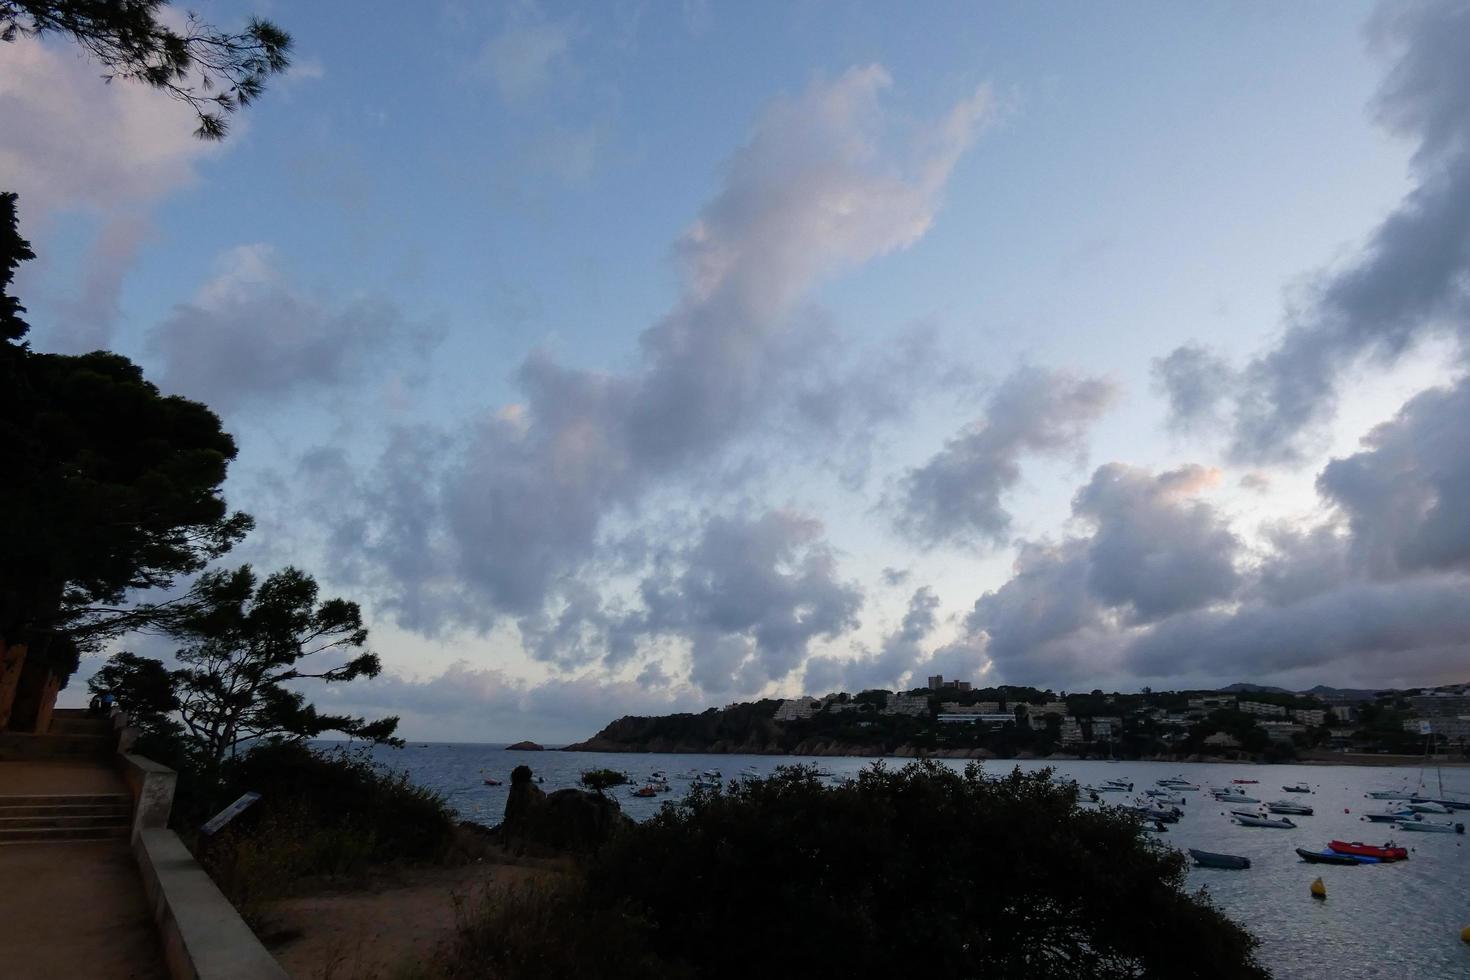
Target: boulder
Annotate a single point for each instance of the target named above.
(568, 819)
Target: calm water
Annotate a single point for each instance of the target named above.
(1398, 920)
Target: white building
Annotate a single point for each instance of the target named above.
(797, 709)
(1262, 710)
(991, 720)
(908, 704)
(1281, 731)
(1309, 716)
(1213, 702)
(1071, 731)
(1050, 708)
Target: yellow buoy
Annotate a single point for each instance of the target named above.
(1319, 890)
(1465, 934)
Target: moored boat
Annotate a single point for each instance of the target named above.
(1449, 804)
(1393, 816)
(1330, 856)
(1389, 794)
(1430, 827)
(1383, 852)
(1428, 806)
(1178, 784)
(1249, 819)
(1288, 806)
(1298, 788)
(1230, 796)
(1245, 782)
(1164, 796)
(1210, 859)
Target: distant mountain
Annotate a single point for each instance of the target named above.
(1342, 693)
(1253, 689)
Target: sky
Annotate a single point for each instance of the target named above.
(639, 357)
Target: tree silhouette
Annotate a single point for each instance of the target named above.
(215, 72)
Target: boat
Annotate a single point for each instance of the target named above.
(712, 774)
(1428, 806)
(1430, 827)
(1121, 784)
(1449, 804)
(1249, 819)
(1383, 852)
(1105, 788)
(1245, 782)
(1164, 796)
(1330, 856)
(1389, 794)
(645, 792)
(1178, 784)
(1209, 859)
(1228, 796)
(493, 782)
(1393, 816)
(1298, 788)
(1288, 806)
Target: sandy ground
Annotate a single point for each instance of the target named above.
(72, 910)
(388, 929)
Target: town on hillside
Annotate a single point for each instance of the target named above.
(953, 717)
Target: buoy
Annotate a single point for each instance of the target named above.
(1319, 890)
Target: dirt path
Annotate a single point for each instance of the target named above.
(382, 931)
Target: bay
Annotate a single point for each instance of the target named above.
(1395, 921)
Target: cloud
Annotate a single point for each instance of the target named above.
(75, 144)
(816, 190)
(750, 596)
(1411, 280)
(249, 336)
(522, 59)
(1405, 495)
(886, 667)
(956, 496)
(1197, 381)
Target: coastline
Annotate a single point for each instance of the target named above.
(822, 748)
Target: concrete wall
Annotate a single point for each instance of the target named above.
(203, 936)
(152, 786)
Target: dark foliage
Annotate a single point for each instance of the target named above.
(110, 486)
(215, 72)
(601, 779)
(917, 872)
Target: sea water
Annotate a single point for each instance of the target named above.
(1400, 920)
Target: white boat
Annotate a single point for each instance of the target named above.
(1105, 788)
(712, 774)
(1390, 794)
(1297, 788)
(1430, 827)
(1392, 816)
(1228, 796)
(1289, 806)
(1164, 796)
(1248, 819)
(1428, 806)
(1178, 784)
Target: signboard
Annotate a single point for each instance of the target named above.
(229, 813)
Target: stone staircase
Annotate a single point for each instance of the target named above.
(73, 734)
(71, 817)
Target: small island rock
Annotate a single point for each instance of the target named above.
(525, 747)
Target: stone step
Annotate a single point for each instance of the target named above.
(63, 820)
(64, 809)
(22, 746)
(35, 835)
(80, 726)
(65, 799)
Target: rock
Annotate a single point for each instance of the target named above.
(525, 747)
(568, 819)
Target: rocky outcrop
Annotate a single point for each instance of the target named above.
(525, 747)
(566, 820)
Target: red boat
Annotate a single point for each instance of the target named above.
(1387, 852)
(1245, 782)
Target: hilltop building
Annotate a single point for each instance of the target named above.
(797, 709)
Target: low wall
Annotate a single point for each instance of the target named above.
(203, 936)
(152, 786)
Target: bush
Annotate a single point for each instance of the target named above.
(922, 871)
(601, 779)
(331, 812)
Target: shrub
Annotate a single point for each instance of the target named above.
(601, 779)
(922, 871)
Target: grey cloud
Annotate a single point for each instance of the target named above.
(1156, 550)
(1405, 496)
(1361, 621)
(751, 595)
(249, 337)
(812, 193)
(957, 495)
(1412, 279)
(1197, 382)
(886, 667)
